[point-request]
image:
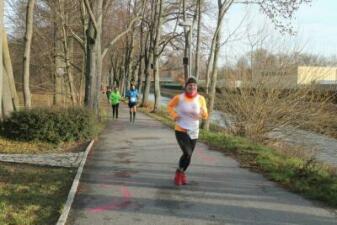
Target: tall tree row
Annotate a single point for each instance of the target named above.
(74, 48)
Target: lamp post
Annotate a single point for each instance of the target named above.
(187, 61)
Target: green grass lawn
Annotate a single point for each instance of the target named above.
(31, 194)
(301, 175)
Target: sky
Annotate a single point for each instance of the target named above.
(315, 26)
(318, 24)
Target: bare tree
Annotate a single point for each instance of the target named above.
(26, 57)
(223, 7)
(148, 54)
(66, 49)
(280, 12)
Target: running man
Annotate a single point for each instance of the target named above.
(132, 95)
(115, 98)
(187, 109)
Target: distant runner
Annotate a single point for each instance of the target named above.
(114, 99)
(132, 95)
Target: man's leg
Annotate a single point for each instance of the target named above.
(113, 111)
(117, 106)
(134, 114)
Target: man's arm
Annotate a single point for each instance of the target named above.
(171, 106)
(204, 111)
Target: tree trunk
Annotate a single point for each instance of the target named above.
(26, 57)
(9, 71)
(7, 103)
(134, 75)
(140, 76)
(197, 57)
(130, 58)
(69, 59)
(147, 86)
(99, 16)
(156, 39)
(111, 77)
(213, 80)
(156, 85)
(85, 22)
(66, 47)
(210, 65)
(59, 57)
(90, 70)
(140, 58)
(1, 59)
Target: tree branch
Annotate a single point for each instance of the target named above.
(92, 17)
(77, 38)
(106, 49)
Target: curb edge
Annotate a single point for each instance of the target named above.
(71, 195)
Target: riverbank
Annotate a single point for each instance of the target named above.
(302, 175)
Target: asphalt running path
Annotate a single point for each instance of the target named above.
(128, 180)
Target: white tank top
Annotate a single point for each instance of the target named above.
(186, 109)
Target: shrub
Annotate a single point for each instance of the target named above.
(50, 125)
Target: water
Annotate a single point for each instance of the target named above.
(220, 118)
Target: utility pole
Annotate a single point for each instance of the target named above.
(187, 61)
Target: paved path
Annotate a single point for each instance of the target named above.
(128, 180)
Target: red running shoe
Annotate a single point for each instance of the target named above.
(183, 178)
(178, 178)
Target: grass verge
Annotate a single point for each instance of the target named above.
(8, 146)
(32, 195)
(311, 179)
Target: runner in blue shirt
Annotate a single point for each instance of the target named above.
(132, 95)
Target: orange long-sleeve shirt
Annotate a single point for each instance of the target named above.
(171, 108)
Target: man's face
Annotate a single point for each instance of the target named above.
(191, 87)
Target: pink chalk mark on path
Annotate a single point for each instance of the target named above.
(114, 206)
(207, 159)
(104, 186)
(108, 177)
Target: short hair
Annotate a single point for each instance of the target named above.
(191, 80)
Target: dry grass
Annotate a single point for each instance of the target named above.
(261, 109)
(324, 123)
(291, 151)
(20, 147)
(11, 146)
(41, 99)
